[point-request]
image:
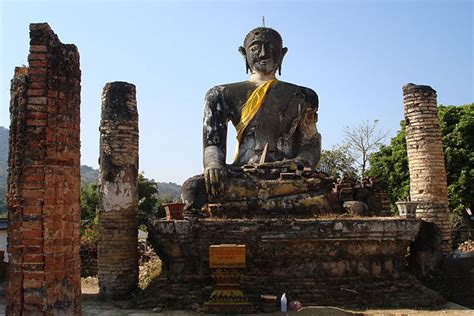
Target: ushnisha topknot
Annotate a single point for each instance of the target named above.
(261, 29)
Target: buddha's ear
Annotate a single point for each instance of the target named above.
(284, 50)
(242, 51)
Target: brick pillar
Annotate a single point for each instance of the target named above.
(117, 254)
(44, 180)
(428, 184)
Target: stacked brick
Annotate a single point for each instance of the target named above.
(44, 180)
(379, 194)
(428, 184)
(369, 190)
(118, 241)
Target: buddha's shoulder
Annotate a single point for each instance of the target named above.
(230, 90)
(241, 89)
(233, 86)
(309, 94)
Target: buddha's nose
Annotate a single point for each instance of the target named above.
(263, 51)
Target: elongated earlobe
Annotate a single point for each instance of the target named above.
(284, 50)
(244, 54)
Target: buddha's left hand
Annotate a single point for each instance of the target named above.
(214, 178)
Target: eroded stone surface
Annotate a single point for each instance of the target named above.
(330, 261)
(117, 248)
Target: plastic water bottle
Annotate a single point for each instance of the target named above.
(283, 303)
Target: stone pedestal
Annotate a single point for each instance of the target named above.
(338, 262)
(227, 264)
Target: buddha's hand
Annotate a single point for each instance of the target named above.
(215, 178)
(292, 164)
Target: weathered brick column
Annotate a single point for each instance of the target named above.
(44, 180)
(428, 184)
(117, 255)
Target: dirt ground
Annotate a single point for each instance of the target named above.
(93, 306)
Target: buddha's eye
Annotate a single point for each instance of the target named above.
(254, 48)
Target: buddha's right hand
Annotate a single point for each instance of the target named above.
(215, 178)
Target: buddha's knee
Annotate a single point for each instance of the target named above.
(193, 192)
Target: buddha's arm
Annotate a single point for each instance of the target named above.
(308, 138)
(214, 140)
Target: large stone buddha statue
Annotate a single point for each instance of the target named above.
(278, 144)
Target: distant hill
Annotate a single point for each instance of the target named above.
(89, 175)
(169, 190)
(3, 169)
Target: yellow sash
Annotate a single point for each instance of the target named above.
(249, 110)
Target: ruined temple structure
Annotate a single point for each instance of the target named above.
(118, 227)
(319, 242)
(44, 180)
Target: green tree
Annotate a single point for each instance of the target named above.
(390, 165)
(149, 201)
(457, 127)
(363, 140)
(3, 205)
(147, 198)
(89, 201)
(337, 162)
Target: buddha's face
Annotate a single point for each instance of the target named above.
(263, 51)
(263, 56)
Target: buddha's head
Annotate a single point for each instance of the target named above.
(263, 51)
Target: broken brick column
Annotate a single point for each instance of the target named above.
(428, 184)
(44, 180)
(117, 255)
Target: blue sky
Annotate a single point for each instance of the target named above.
(355, 54)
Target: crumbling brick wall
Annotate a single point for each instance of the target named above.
(428, 184)
(44, 180)
(118, 232)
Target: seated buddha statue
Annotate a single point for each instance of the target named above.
(278, 144)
